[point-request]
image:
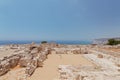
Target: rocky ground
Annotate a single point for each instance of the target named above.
(59, 62)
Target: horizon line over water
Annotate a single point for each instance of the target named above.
(70, 42)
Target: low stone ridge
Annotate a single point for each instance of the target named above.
(107, 65)
(69, 72)
(30, 57)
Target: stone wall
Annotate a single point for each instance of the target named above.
(29, 57)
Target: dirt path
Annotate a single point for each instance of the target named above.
(49, 70)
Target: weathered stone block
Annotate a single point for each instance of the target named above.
(4, 67)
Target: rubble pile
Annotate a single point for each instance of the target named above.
(69, 72)
(107, 66)
(71, 50)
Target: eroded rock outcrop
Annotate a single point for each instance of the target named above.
(4, 67)
(27, 56)
(31, 56)
(68, 72)
(25, 60)
(7, 63)
(31, 66)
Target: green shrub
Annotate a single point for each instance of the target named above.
(113, 42)
(43, 42)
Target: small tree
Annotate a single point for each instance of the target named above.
(113, 42)
(43, 42)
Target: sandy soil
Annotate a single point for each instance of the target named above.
(113, 49)
(6, 52)
(14, 74)
(114, 52)
(50, 69)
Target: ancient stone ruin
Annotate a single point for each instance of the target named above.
(32, 56)
(107, 66)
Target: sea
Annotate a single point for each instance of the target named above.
(38, 42)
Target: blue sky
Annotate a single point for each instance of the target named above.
(59, 19)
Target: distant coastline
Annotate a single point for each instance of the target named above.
(104, 40)
(7, 42)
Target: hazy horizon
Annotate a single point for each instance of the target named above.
(59, 19)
